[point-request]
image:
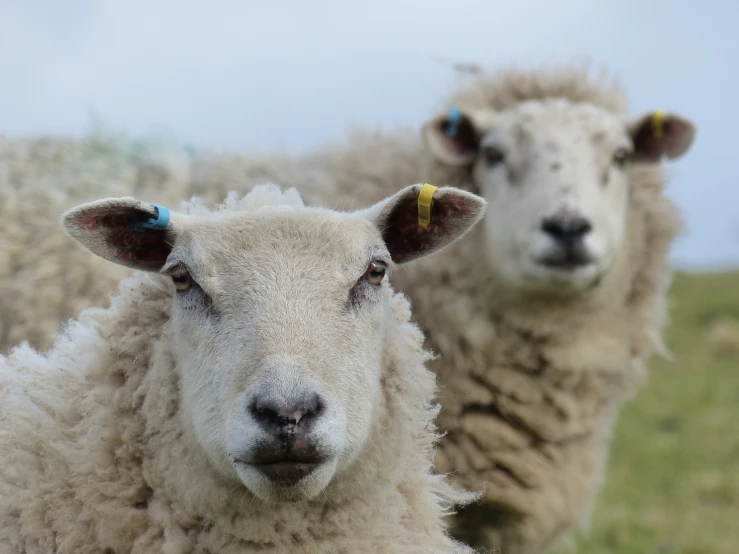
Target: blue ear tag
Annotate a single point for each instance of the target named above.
(156, 223)
(455, 118)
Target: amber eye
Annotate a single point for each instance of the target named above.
(621, 156)
(181, 279)
(492, 156)
(375, 273)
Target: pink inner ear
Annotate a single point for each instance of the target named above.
(463, 142)
(404, 236)
(148, 247)
(453, 204)
(647, 147)
(650, 147)
(96, 221)
(677, 136)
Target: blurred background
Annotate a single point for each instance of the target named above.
(290, 75)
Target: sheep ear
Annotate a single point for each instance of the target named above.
(659, 134)
(422, 219)
(125, 231)
(452, 138)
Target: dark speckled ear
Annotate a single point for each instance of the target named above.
(125, 231)
(452, 138)
(659, 134)
(422, 219)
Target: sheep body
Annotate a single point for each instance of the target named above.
(98, 454)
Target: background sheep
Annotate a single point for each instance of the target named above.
(317, 433)
(545, 317)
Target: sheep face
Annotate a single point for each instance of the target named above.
(557, 177)
(279, 321)
(294, 307)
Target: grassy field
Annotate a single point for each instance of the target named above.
(673, 481)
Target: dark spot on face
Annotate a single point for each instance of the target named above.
(520, 136)
(551, 146)
(605, 177)
(598, 137)
(512, 175)
(555, 166)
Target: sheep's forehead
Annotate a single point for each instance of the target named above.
(281, 241)
(557, 124)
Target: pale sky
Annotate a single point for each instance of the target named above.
(255, 75)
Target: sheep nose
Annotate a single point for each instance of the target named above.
(286, 418)
(567, 230)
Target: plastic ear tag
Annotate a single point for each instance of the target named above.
(658, 124)
(455, 118)
(156, 223)
(425, 201)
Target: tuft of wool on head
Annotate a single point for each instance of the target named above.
(262, 197)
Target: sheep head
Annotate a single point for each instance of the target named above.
(557, 175)
(280, 317)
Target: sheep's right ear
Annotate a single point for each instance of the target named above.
(420, 220)
(125, 231)
(452, 138)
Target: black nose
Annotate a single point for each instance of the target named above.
(567, 230)
(279, 418)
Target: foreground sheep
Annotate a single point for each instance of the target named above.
(260, 389)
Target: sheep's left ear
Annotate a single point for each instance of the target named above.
(125, 231)
(421, 219)
(660, 134)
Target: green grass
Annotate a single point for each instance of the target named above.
(673, 479)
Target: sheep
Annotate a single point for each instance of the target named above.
(563, 291)
(255, 386)
(534, 362)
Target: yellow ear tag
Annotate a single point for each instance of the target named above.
(658, 124)
(425, 201)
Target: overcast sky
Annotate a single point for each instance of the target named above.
(248, 75)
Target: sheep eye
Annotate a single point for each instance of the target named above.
(492, 156)
(181, 279)
(375, 273)
(621, 156)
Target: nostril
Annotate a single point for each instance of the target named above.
(566, 228)
(264, 410)
(297, 413)
(553, 227)
(580, 226)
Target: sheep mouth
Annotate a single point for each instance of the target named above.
(282, 468)
(286, 473)
(569, 260)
